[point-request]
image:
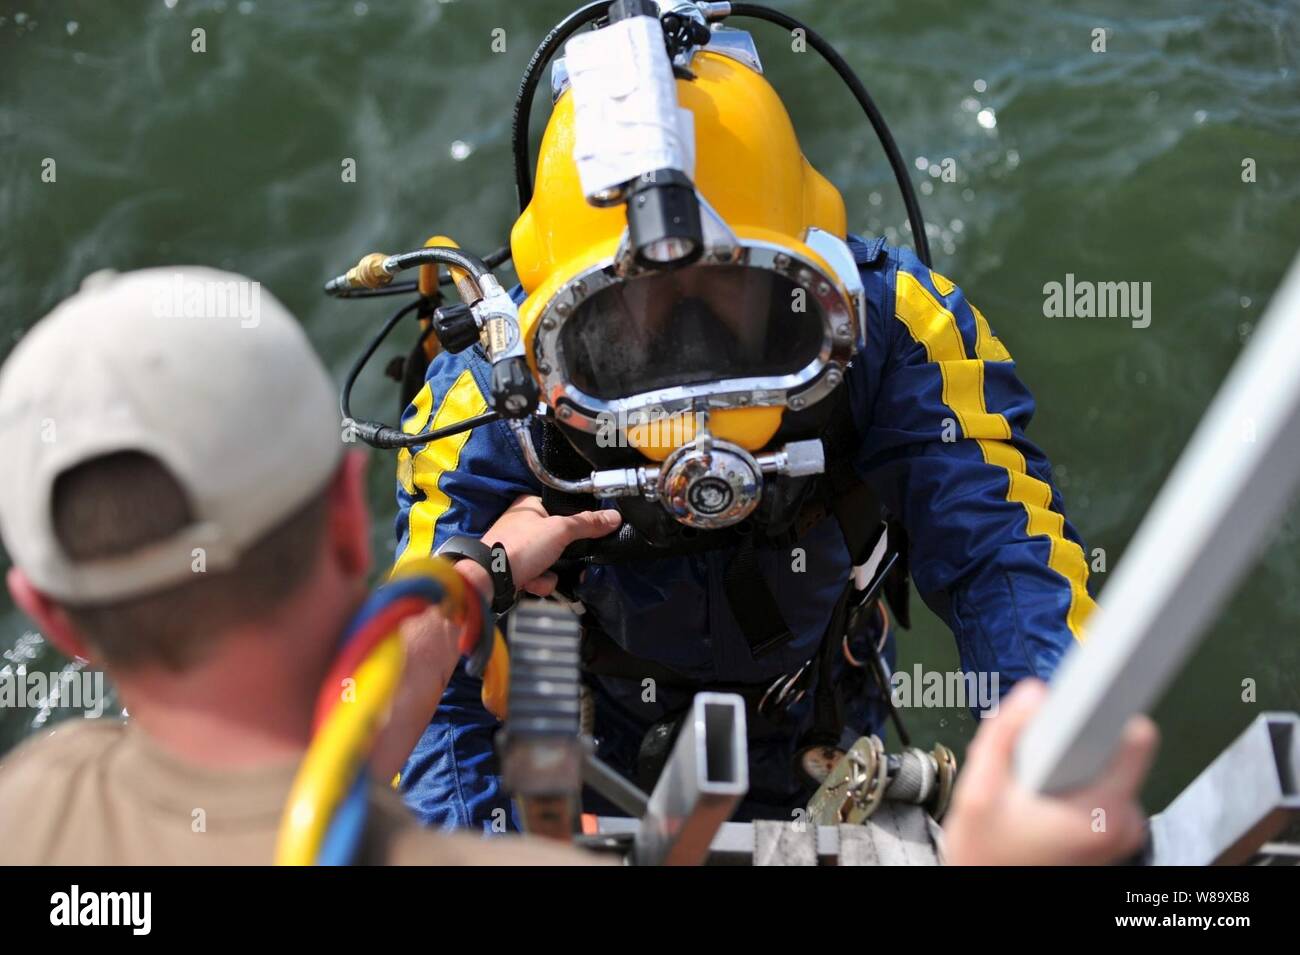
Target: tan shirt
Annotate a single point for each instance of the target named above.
(98, 792)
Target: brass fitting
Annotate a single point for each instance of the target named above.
(369, 272)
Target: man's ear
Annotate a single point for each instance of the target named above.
(48, 615)
(349, 516)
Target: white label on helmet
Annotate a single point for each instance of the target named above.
(626, 119)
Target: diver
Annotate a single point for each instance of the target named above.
(846, 416)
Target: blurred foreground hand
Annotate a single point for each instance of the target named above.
(996, 821)
(432, 652)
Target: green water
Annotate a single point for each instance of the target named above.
(1123, 165)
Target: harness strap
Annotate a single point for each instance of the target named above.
(753, 604)
(603, 656)
(828, 707)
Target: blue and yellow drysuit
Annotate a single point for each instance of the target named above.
(941, 417)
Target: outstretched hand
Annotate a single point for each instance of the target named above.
(534, 540)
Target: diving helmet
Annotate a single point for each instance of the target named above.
(691, 300)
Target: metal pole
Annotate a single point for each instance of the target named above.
(1226, 495)
(703, 780)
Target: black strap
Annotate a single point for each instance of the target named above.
(828, 708)
(857, 513)
(494, 561)
(603, 656)
(753, 604)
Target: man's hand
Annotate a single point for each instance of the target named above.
(994, 821)
(534, 541)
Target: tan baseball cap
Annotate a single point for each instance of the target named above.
(203, 370)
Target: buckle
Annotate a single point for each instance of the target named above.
(784, 692)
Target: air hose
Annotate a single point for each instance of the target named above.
(373, 275)
(376, 270)
(759, 12)
(520, 121)
(324, 818)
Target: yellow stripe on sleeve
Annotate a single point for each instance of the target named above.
(987, 345)
(963, 378)
(423, 405)
(1064, 556)
(935, 329)
(463, 401)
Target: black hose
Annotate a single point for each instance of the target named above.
(388, 438)
(493, 259)
(520, 121)
(759, 12)
(397, 288)
(441, 255)
(376, 433)
(341, 287)
(345, 393)
(411, 440)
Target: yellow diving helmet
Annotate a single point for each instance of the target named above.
(677, 320)
(690, 298)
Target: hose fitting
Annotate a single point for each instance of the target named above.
(371, 272)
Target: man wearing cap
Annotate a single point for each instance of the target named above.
(180, 510)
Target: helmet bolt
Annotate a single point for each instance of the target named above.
(564, 411)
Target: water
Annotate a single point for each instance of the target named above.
(1122, 165)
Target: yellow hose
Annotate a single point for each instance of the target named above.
(344, 741)
(496, 678)
(336, 754)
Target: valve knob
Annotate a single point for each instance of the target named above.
(514, 392)
(455, 326)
